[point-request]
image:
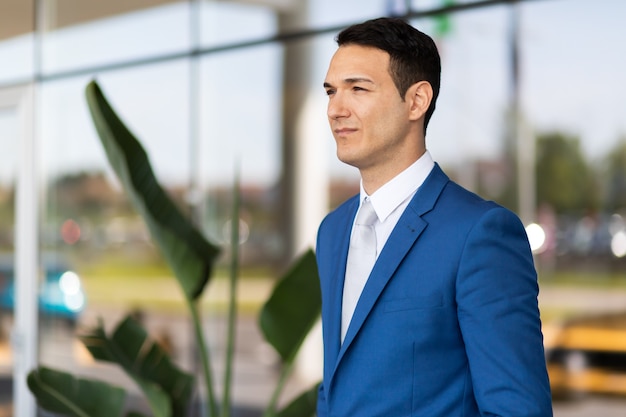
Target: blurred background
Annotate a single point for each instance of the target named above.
(532, 114)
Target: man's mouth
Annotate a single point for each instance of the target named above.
(344, 131)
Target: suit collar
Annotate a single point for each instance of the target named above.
(401, 188)
(428, 194)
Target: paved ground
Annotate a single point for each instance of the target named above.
(591, 407)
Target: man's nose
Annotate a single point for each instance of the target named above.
(337, 107)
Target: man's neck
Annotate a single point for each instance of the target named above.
(373, 179)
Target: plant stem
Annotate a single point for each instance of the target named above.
(204, 356)
(232, 303)
(285, 371)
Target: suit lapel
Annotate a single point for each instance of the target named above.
(332, 327)
(409, 228)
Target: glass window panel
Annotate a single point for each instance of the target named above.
(328, 13)
(17, 57)
(245, 22)
(113, 37)
(71, 203)
(241, 130)
(87, 220)
(241, 114)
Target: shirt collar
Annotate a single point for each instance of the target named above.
(388, 197)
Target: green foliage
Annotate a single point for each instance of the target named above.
(190, 256)
(188, 253)
(303, 406)
(62, 393)
(615, 176)
(287, 317)
(293, 308)
(565, 180)
(166, 387)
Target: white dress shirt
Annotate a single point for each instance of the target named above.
(390, 200)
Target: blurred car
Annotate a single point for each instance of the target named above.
(588, 355)
(61, 293)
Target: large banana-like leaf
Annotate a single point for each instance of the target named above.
(167, 389)
(62, 393)
(288, 316)
(303, 406)
(187, 252)
(293, 308)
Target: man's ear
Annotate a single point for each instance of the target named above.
(419, 96)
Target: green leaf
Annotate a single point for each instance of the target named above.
(293, 308)
(167, 389)
(187, 252)
(62, 393)
(303, 406)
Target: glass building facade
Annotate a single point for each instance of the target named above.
(217, 89)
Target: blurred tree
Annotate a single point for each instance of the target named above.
(565, 180)
(614, 170)
(88, 194)
(7, 216)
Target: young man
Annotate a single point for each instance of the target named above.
(446, 322)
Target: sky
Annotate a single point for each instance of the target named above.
(572, 80)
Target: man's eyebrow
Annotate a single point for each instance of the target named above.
(351, 80)
(358, 80)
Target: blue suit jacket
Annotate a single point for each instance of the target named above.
(447, 324)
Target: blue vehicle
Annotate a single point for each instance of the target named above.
(61, 293)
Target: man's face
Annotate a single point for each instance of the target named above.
(368, 118)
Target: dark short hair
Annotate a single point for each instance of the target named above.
(413, 55)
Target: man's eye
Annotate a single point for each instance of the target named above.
(330, 92)
(357, 88)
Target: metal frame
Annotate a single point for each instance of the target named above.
(24, 337)
(195, 51)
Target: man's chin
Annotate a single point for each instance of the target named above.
(348, 159)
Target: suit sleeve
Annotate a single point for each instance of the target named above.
(499, 319)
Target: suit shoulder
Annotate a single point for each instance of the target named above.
(470, 204)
